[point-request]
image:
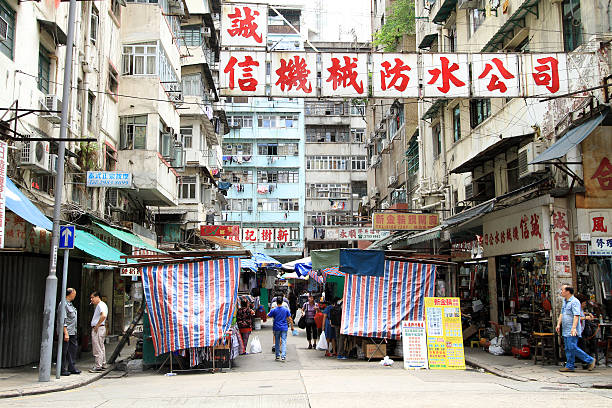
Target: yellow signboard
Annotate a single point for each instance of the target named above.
(404, 221)
(444, 334)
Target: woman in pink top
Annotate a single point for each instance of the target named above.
(310, 308)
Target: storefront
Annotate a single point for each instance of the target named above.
(472, 282)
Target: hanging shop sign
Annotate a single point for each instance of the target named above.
(601, 246)
(350, 74)
(561, 242)
(404, 221)
(444, 334)
(112, 179)
(467, 249)
(268, 235)
(3, 160)
(219, 230)
(597, 166)
(581, 249)
(518, 232)
(129, 272)
(244, 25)
(414, 344)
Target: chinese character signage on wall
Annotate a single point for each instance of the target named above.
(404, 221)
(444, 334)
(389, 75)
(414, 344)
(111, 179)
(518, 232)
(597, 165)
(219, 230)
(561, 242)
(244, 25)
(601, 246)
(3, 159)
(266, 235)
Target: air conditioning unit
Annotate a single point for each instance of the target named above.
(35, 155)
(112, 198)
(467, 4)
(52, 105)
(374, 160)
(206, 31)
(525, 155)
(53, 163)
(392, 181)
(3, 29)
(385, 144)
(469, 191)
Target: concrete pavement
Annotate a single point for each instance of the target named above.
(309, 379)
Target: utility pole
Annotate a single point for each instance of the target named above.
(46, 344)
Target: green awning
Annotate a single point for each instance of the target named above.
(428, 40)
(96, 247)
(128, 238)
(433, 109)
(446, 8)
(517, 19)
(325, 258)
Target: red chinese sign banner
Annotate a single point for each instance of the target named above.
(244, 25)
(344, 74)
(220, 230)
(267, 235)
(243, 73)
(404, 221)
(395, 75)
(293, 74)
(446, 75)
(597, 165)
(496, 75)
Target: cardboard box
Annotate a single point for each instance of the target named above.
(374, 350)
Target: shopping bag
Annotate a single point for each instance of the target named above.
(302, 322)
(322, 344)
(255, 346)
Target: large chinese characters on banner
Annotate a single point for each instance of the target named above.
(244, 25)
(393, 75)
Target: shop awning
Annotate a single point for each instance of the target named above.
(264, 261)
(517, 19)
(428, 40)
(570, 140)
(18, 203)
(223, 242)
(433, 109)
(97, 248)
(128, 238)
(490, 152)
(470, 214)
(54, 30)
(290, 266)
(430, 234)
(248, 263)
(446, 8)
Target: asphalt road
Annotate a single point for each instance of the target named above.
(308, 379)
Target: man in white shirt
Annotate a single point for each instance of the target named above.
(98, 332)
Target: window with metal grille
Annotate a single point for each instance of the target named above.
(44, 70)
(7, 24)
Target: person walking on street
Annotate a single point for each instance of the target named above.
(310, 309)
(282, 320)
(569, 325)
(273, 306)
(68, 331)
(98, 332)
(245, 322)
(293, 304)
(330, 331)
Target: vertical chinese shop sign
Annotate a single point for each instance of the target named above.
(414, 344)
(444, 335)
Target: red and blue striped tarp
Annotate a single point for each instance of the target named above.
(374, 306)
(190, 304)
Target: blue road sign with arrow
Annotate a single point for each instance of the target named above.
(66, 237)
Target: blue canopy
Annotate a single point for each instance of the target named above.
(264, 261)
(302, 269)
(248, 263)
(18, 203)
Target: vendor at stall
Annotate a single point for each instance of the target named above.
(245, 322)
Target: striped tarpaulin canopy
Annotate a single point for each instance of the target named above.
(315, 275)
(374, 306)
(332, 270)
(190, 304)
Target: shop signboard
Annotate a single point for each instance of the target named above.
(518, 232)
(14, 231)
(597, 166)
(219, 230)
(404, 221)
(444, 334)
(112, 179)
(581, 249)
(266, 235)
(3, 159)
(467, 249)
(361, 234)
(244, 25)
(601, 246)
(129, 272)
(414, 344)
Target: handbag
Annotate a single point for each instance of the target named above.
(302, 322)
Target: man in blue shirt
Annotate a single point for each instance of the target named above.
(282, 319)
(571, 329)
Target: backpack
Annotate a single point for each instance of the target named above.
(335, 315)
